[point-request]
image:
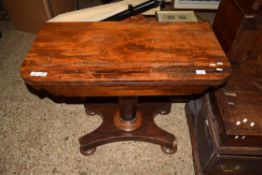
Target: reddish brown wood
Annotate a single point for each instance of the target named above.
(127, 117)
(211, 157)
(125, 59)
(108, 131)
(127, 108)
(223, 139)
(127, 125)
(241, 101)
(238, 25)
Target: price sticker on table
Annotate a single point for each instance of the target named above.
(201, 72)
(38, 74)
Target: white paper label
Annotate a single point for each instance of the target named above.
(231, 94)
(38, 74)
(219, 63)
(200, 72)
(219, 69)
(231, 103)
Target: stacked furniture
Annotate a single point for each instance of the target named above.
(226, 125)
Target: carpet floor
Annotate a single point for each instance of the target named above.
(40, 137)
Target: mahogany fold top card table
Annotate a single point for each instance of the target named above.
(126, 60)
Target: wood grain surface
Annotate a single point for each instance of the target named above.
(241, 100)
(125, 59)
(225, 126)
(238, 27)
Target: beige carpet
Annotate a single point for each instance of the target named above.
(40, 137)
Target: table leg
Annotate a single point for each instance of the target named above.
(128, 120)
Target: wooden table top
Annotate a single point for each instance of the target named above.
(125, 59)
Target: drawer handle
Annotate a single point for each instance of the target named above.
(230, 170)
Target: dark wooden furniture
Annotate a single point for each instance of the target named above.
(238, 27)
(226, 126)
(127, 60)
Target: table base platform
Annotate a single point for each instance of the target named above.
(116, 127)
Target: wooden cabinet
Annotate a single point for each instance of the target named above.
(238, 27)
(211, 156)
(226, 125)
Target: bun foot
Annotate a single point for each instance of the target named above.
(165, 109)
(169, 150)
(164, 112)
(88, 112)
(87, 152)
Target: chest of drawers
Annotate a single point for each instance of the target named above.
(226, 125)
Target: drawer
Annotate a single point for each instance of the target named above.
(210, 156)
(236, 165)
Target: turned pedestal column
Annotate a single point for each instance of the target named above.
(127, 120)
